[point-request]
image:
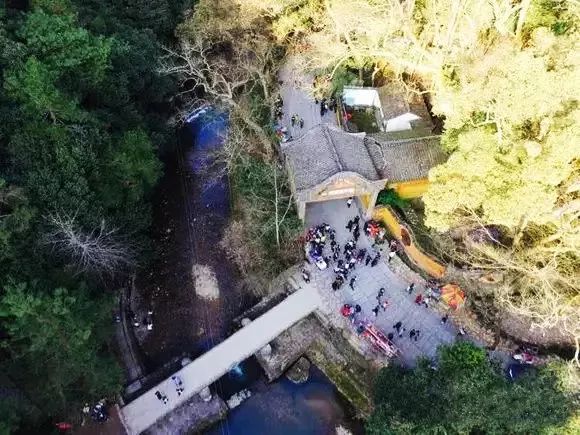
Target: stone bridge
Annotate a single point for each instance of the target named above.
(145, 410)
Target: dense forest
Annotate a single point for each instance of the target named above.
(83, 114)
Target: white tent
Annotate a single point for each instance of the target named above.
(361, 97)
(401, 122)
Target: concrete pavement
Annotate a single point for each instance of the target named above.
(369, 280)
(297, 101)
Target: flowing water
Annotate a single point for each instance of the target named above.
(192, 211)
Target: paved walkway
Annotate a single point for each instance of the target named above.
(297, 101)
(147, 409)
(369, 280)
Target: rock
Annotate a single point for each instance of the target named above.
(238, 398)
(299, 371)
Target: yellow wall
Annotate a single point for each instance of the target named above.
(410, 189)
(422, 260)
(365, 199)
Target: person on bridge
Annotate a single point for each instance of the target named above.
(161, 397)
(178, 384)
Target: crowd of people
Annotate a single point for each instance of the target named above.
(346, 260)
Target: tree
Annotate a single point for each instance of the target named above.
(466, 393)
(100, 250)
(223, 57)
(59, 338)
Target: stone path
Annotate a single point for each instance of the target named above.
(147, 409)
(297, 101)
(369, 280)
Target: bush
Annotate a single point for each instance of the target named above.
(392, 198)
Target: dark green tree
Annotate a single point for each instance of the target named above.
(57, 342)
(466, 394)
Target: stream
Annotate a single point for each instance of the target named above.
(191, 210)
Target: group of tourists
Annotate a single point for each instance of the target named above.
(296, 120)
(179, 389)
(326, 105)
(97, 413)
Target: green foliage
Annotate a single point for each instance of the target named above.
(467, 394)
(82, 114)
(391, 197)
(59, 337)
(253, 182)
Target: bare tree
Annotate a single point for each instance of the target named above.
(100, 250)
(221, 59)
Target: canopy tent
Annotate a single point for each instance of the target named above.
(361, 97)
(452, 295)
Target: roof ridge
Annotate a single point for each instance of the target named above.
(406, 140)
(335, 154)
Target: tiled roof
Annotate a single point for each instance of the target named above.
(325, 151)
(404, 159)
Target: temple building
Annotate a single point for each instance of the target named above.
(385, 141)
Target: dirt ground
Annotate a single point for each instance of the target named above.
(189, 215)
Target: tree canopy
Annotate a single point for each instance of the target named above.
(466, 393)
(82, 114)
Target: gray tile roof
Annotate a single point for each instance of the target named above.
(393, 100)
(404, 159)
(325, 151)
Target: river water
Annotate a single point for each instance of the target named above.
(191, 212)
(281, 407)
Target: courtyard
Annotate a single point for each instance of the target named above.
(394, 277)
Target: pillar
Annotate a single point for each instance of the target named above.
(205, 394)
(301, 210)
(372, 202)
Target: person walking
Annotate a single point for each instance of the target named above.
(419, 299)
(349, 202)
(412, 334)
(357, 308)
(162, 397)
(381, 293)
(293, 120)
(301, 122)
(385, 304)
(410, 288)
(376, 310)
(349, 225)
(397, 326)
(444, 319)
(305, 276)
(352, 281)
(417, 332)
(178, 384)
(368, 259)
(375, 260)
(356, 219)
